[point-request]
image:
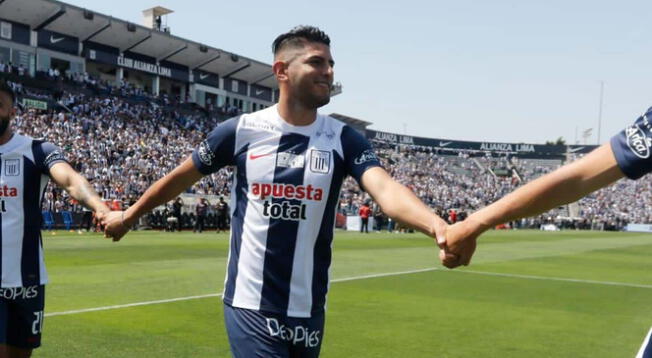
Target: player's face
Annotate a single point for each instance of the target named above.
(310, 75)
(7, 111)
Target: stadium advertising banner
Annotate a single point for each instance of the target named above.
(101, 53)
(581, 149)
(14, 32)
(235, 86)
(153, 68)
(639, 227)
(177, 72)
(58, 42)
(132, 61)
(261, 92)
(34, 103)
(514, 148)
(206, 78)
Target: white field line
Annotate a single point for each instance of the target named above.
(562, 279)
(345, 279)
(131, 305)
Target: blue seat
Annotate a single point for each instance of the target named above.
(67, 219)
(48, 220)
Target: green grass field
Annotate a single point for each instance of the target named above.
(527, 294)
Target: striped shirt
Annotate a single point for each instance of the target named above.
(283, 202)
(24, 164)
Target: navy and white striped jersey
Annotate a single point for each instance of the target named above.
(633, 147)
(283, 202)
(24, 165)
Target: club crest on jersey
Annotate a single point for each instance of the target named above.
(638, 142)
(12, 167)
(290, 160)
(320, 161)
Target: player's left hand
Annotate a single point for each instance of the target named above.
(114, 225)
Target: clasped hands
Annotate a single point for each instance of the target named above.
(457, 242)
(114, 224)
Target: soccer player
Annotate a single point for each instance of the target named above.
(26, 164)
(627, 154)
(289, 164)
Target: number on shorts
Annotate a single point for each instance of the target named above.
(37, 326)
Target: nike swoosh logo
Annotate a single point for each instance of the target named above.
(443, 144)
(56, 39)
(573, 150)
(203, 77)
(259, 92)
(254, 157)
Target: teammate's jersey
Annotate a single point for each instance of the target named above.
(24, 168)
(633, 147)
(283, 202)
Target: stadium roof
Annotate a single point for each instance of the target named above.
(88, 25)
(357, 123)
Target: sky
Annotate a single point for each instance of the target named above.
(501, 71)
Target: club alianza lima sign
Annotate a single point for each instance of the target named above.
(144, 66)
(507, 147)
(394, 138)
(447, 144)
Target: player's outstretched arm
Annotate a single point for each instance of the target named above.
(162, 191)
(400, 203)
(565, 185)
(78, 187)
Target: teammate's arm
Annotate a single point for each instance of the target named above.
(400, 203)
(165, 189)
(565, 185)
(78, 187)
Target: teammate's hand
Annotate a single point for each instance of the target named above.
(461, 243)
(99, 215)
(114, 225)
(441, 229)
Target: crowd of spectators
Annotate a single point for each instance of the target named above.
(123, 139)
(454, 185)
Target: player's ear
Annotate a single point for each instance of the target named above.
(280, 69)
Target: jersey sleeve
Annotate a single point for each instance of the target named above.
(632, 147)
(358, 153)
(217, 150)
(46, 155)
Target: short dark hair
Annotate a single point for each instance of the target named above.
(296, 36)
(6, 88)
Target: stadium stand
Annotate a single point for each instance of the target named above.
(122, 145)
(124, 120)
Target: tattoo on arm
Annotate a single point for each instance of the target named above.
(84, 193)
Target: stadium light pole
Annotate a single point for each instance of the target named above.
(600, 110)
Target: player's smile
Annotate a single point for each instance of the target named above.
(324, 84)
